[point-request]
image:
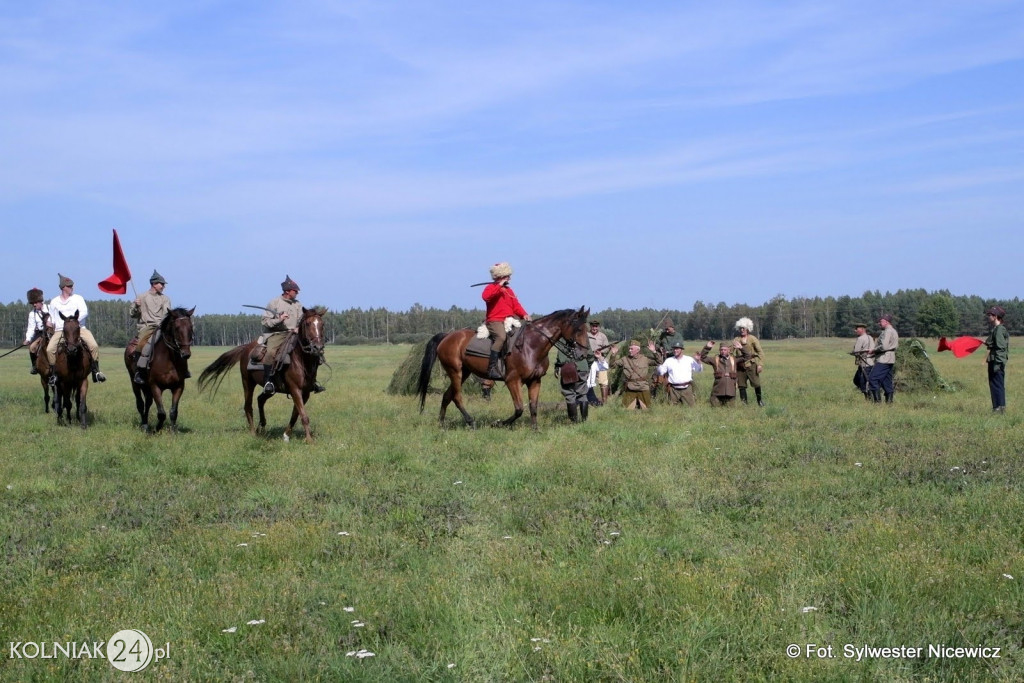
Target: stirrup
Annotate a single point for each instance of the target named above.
(52, 381)
(317, 387)
(138, 379)
(269, 389)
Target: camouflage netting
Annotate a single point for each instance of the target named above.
(407, 376)
(914, 370)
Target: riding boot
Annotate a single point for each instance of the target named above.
(888, 398)
(141, 375)
(33, 357)
(757, 392)
(97, 376)
(268, 376)
(492, 366)
(743, 395)
(317, 387)
(584, 410)
(573, 414)
(876, 396)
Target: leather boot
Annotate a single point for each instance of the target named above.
(743, 395)
(97, 376)
(876, 396)
(584, 409)
(888, 398)
(33, 357)
(573, 413)
(492, 366)
(141, 375)
(318, 388)
(268, 377)
(757, 392)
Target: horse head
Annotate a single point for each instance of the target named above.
(311, 331)
(72, 332)
(177, 332)
(574, 327)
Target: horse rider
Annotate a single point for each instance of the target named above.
(38, 321)
(67, 303)
(281, 319)
(501, 303)
(150, 309)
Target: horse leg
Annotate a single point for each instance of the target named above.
(454, 394)
(158, 397)
(175, 398)
(80, 402)
(260, 402)
(515, 388)
(533, 390)
(299, 399)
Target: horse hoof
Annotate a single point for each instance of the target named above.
(286, 438)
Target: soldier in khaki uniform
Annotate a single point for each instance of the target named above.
(280, 319)
(149, 309)
(572, 373)
(724, 389)
(862, 357)
(749, 360)
(636, 369)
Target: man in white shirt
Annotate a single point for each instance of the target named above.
(679, 369)
(68, 303)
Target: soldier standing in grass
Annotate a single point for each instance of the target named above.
(38, 321)
(885, 359)
(598, 341)
(501, 303)
(636, 372)
(749, 360)
(572, 368)
(862, 358)
(724, 389)
(998, 345)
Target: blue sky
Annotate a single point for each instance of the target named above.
(642, 154)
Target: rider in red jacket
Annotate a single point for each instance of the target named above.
(501, 303)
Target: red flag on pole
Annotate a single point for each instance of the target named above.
(118, 282)
(961, 346)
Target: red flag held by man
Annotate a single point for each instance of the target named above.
(118, 282)
(961, 346)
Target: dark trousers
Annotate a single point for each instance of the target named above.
(997, 384)
(881, 375)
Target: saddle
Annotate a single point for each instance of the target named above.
(482, 346)
(257, 359)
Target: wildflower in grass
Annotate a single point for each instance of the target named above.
(457, 483)
(857, 464)
(258, 535)
(343, 533)
(451, 665)
(1010, 577)
(349, 609)
(360, 654)
(357, 624)
(229, 630)
(256, 622)
(805, 610)
(243, 545)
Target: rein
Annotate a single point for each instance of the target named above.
(569, 343)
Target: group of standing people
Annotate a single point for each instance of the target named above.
(875, 360)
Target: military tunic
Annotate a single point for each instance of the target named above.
(275, 330)
(573, 391)
(636, 372)
(748, 359)
(724, 388)
(150, 310)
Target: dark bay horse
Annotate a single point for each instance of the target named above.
(167, 367)
(525, 364)
(43, 365)
(72, 367)
(297, 378)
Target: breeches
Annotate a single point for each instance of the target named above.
(881, 376)
(87, 338)
(629, 398)
(676, 396)
(497, 334)
(34, 345)
(743, 376)
(574, 392)
(275, 340)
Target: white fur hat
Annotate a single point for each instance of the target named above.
(499, 270)
(745, 323)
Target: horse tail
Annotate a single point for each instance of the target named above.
(427, 366)
(214, 374)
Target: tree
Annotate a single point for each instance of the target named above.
(937, 317)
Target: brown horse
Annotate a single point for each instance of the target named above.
(526, 363)
(72, 367)
(167, 368)
(43, 365)
(297, 378)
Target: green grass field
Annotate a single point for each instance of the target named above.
(677, 544)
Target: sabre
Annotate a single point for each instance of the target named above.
(16, 348)
(262, 308)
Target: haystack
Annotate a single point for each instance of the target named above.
(407, 376)
(914, 370)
